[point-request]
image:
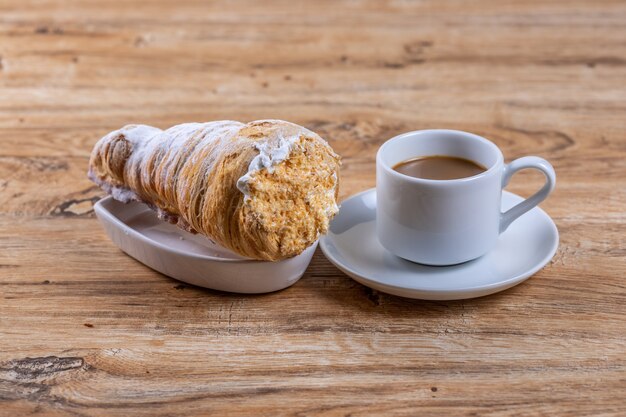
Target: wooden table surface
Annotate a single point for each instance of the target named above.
(87, 331)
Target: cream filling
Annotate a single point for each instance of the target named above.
(270, 154)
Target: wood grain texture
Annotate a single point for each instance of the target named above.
(88, 331)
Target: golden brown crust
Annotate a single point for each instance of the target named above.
(265, 189)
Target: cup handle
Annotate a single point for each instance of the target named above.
(535, 162)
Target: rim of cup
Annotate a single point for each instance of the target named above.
(498, 163)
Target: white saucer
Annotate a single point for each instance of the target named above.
(523, 249)
(136, 230)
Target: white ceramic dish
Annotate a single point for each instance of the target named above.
(523, 249)
(194, 259)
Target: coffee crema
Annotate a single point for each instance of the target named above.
(439, 167)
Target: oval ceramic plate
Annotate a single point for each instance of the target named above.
(137, 230)
(523, 249)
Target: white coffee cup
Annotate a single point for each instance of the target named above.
(446, 222)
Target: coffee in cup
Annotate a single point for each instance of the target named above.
(439, 167)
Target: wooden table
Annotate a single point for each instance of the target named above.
(87, 331)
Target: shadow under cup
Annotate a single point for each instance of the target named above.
(438, 222)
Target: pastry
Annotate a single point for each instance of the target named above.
(266, 189)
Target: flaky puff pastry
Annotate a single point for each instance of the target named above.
(266, 189)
